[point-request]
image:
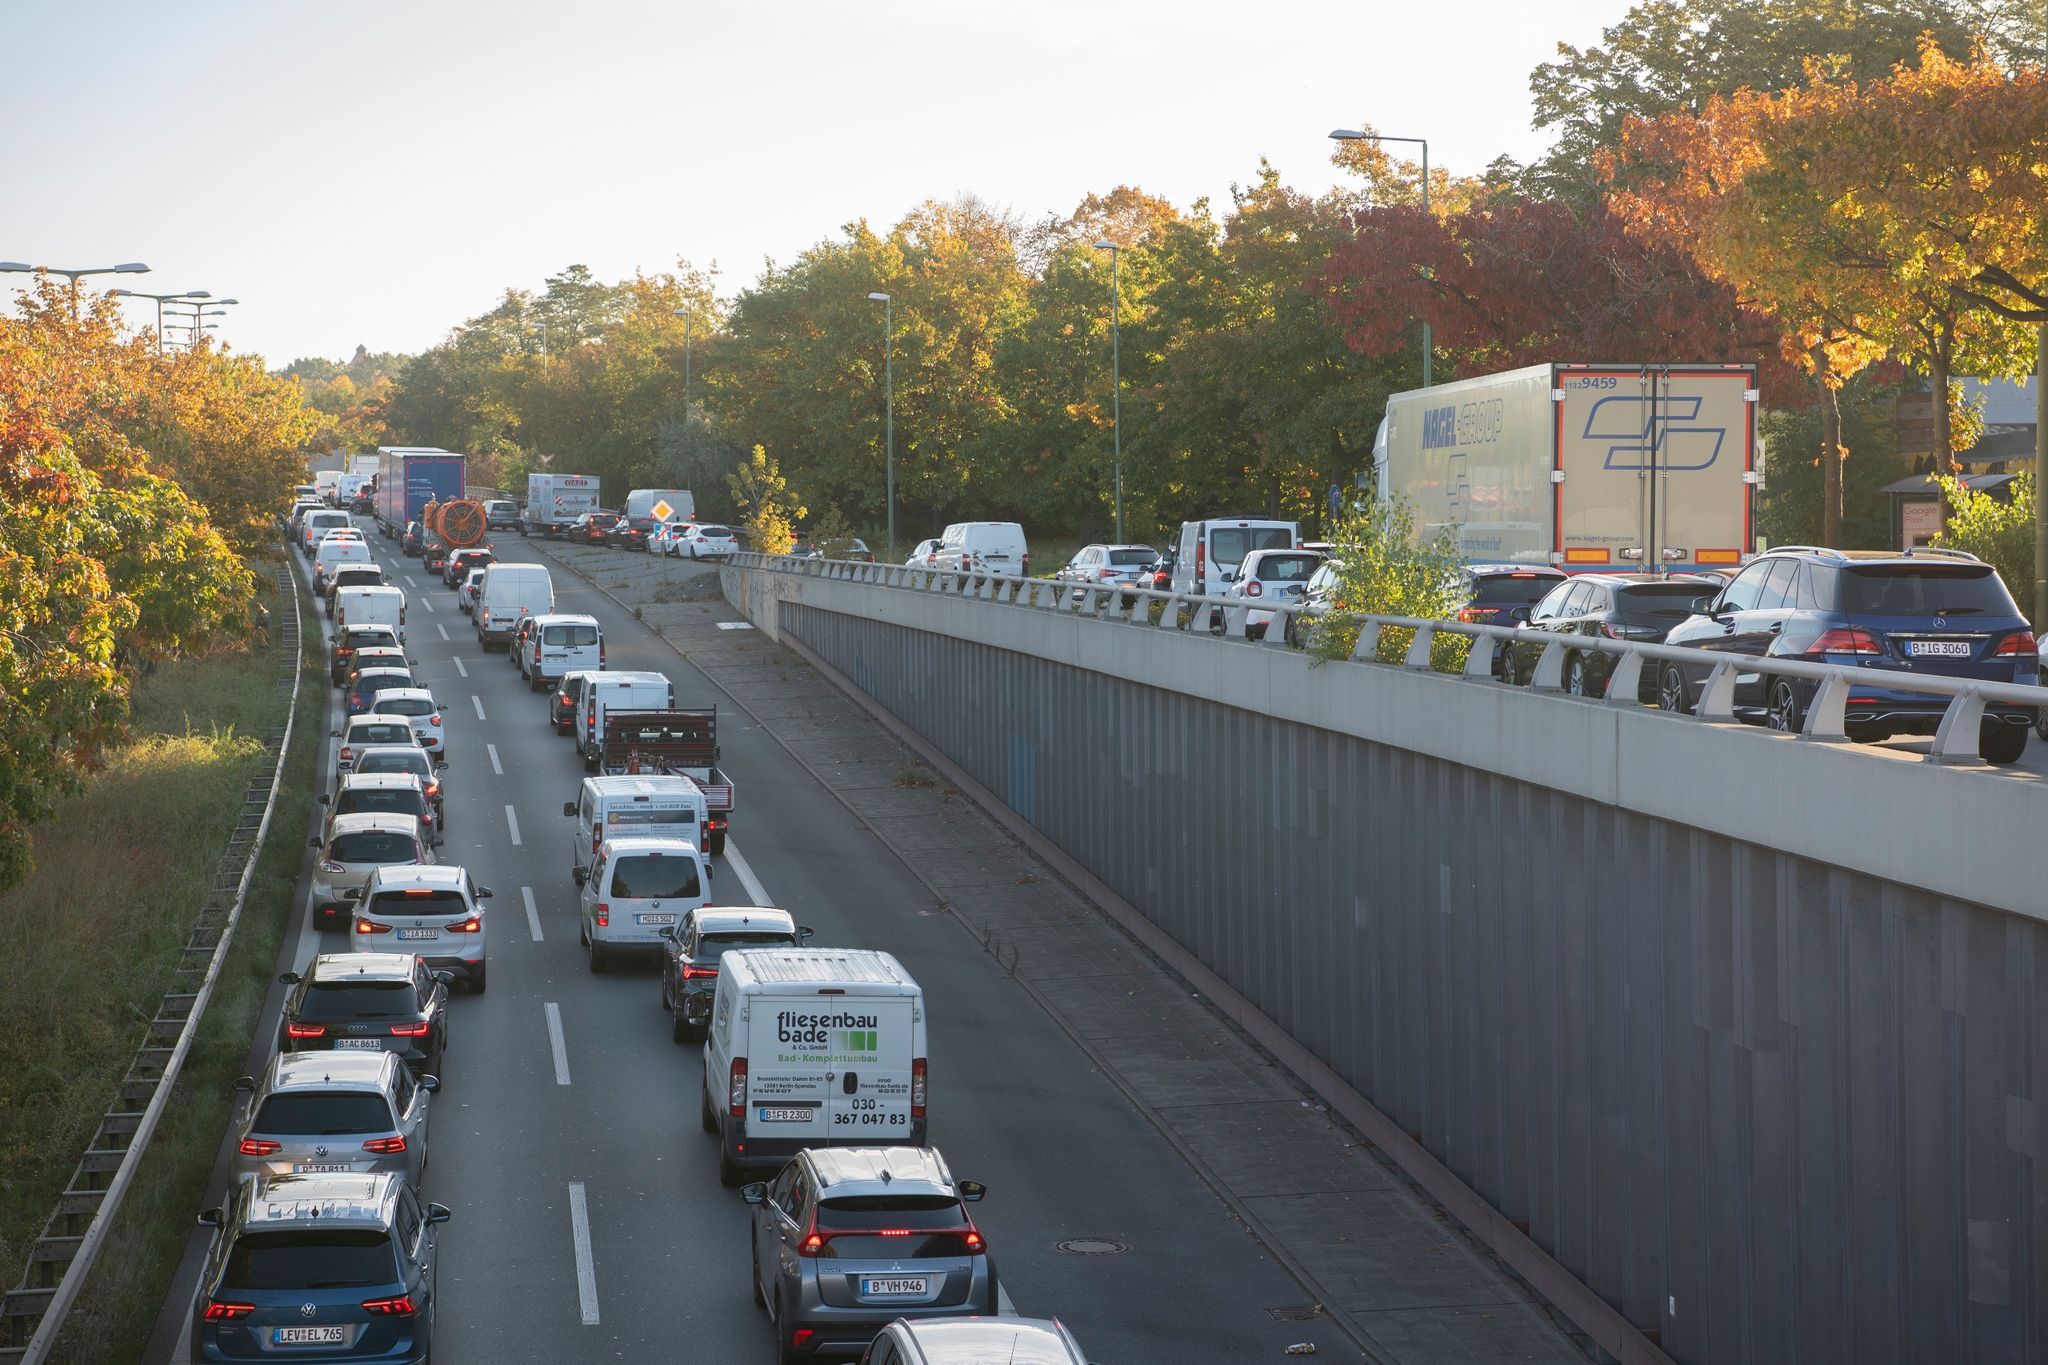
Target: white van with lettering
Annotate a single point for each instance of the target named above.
(509, 592)
(617, 807)
(812, 1047)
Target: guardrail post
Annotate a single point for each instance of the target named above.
(1205, 611)
(1625, 681)
(1367, 646)
(1955, 740)
(1478, 661)
(1550, 668)
(1276, 629)
(1717, 698)
(1419, 647)
(1234, 619)
(1169, 612)
(1824, 714)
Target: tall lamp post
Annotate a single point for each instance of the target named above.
(888, 411)
(160, 299)
(1354, 135)
(128, 268)
(1116, 382)
(684, 314)
(199, 312)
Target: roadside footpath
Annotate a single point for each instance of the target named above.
(1376, 1256)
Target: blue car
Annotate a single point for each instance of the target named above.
(1936, 612)
(368, 682)
(318, 1268)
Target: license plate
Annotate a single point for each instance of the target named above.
(315, 1167)
(898, 1287)
(359, 1044)
(1947, 649)
(785, 1115)
(655, 919)
(309, 1336)
(419, 933)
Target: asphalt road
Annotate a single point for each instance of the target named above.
(589, 1221)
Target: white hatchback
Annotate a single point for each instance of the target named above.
(436, 912)
(709, 542)
(417, 705)
(638, 889)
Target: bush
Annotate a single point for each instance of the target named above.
(1998, 531)
(1385, 569)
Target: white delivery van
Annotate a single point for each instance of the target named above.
(559, 644)
(334, 552)
(324, 484)
(375, 606)
(812, 1047)
(511, 591)
(604, 692)
(618, 807)
(317, 524)
(988, 546)
(643, 505)
(1206, 556)
(638, 889)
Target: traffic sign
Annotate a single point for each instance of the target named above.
(662, 511)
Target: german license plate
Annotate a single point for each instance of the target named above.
(895, 1287)
(655, 919)
(419, 933)
(335, 1335)
(360, 1044)
(1946, 649)
(785, 1115)
(314, 1167)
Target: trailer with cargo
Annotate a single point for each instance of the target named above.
(674, 743)
(410, 477)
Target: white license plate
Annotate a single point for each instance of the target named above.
(898, 1287)
(1947, 649)
(419, 933)
(314, 1167)
(655, 919)
(786, 1115)
(360, 1044)
(336, 1335)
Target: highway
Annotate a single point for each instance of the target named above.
(589, 1221)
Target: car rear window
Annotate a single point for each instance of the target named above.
(395, 763)
(331, 1258)
(1672, 600)
(421, 901)
(325, 1115)
(379, 684)
(1287, 568)
(650, 815)
(361, 1000)
(652, 877)
(714, 530)
(373, 846)
(568, 637)
(408, 706)
(1131, 559)
(1230, 544)
(718, 945)
(1514, 589)
(1925, 590)
(379, 801)
(383, 732)
(358, 637)
(875, 1227)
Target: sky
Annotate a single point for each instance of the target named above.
(377, 172)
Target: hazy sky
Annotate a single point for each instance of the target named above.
(376, 172)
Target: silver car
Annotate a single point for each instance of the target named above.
(848, 1239)
(975, 1341)
(1098, 565)
(359, 1112)
(405, 758)
(355, 848)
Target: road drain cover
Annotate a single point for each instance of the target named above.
(1091, 1246)
(1296, 1314)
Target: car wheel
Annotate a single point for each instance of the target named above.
(754, 1254)
(476, 980)
(1575, 675)
(1508, 672)
(598, 961)
(2002, 743)
(731, 1174)
(1671, 691)
(2041, 722)
(708, 1118)
(785, 1353)
(1784, 713)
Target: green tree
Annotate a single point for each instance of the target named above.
(1384, 568)
(1788, 507)
(1999, 531)
(764, 498)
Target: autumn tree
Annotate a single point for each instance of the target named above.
(766, 503)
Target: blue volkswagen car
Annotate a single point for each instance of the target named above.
(318, 1268)
(1895, 613)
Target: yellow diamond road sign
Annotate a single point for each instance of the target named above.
(662, 511)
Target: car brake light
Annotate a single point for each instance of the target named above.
(596, 838)
(347, 753)
(473, 925)
(1255, 589)
(917, 1084)
(691, 972)
(1108, 574)
(600, 658)
(1849, 641)
(736, 1088)
(331, 868)
(604, 915)
(976, 1245)
(370, 926)
(2020, 642)
(434, 719)
(433, 789)
(259, 1147)
(218, 1310)
(399, 1307)
(384, 1146)
(417, 1029)
(811, 1245)
(305, 1030)
(1477, 613)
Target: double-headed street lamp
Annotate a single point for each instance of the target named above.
(888, 412)
(1116, 382)
(1354, 135)
(199, 311)
(161, 300)
(127, 268)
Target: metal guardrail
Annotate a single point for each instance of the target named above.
(33, 1314)
(1228, 620)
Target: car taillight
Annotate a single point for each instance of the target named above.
(604, 915)
(401, 1306)
(385, 1146)
(596, 839)
(434, 719)
(1108, 574)
(811, 1245)
(331, 867)
(563, 697)
(736, 1088)
(370, 926)
(2020, 643)
(975, 1243)
(600, 658)
(473, 925)
(692, 972)
(1469, 614)
(1255, 589)
(347, 753)
(219, 1310)
(343, 652)
(1201, 554)
(1845, 642)
(1616, 632)
(305, 1030)
(433, 790)
(417, 1029)
(259, 1147)
(917, 1083)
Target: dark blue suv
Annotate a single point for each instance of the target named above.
(1914, 611)
(318, 1268)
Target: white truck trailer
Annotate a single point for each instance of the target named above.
(1584, 467)
(554, 501)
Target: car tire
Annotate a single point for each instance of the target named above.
(1575, 675)
(731, 1174)
(785, 1353)
(708, 1118)
(598, 959)
(476, 980)
(754, 1279)
(1784, 713)
(2041, 722)
(1671, 692)
(2002, 744)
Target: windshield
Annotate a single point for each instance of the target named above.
(304, 1259)
(653, 877)
(1131, 559)
(1925, 590)
(1228, 545)
(373, 846)
(360, 1000)
(1514, 589)
(330, 1115)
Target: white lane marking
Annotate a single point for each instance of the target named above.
(586, 1269)
(512, 819)
(478, 703)
(533, 923)
(458, 665)
(411, 581)
(555, 1043)
(745, 871)
(496, 766)
(443, 629)
(428, 603)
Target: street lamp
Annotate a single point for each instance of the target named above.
(1354, 135)
(542, 328)
(684, 314)
(161, 299)
(126, 268)
(1116, 371)
(888, 412)
(197, 311)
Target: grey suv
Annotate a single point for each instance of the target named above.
(848, 1239)
(335, 1112)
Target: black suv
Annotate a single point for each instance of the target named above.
(1914, 611)
(1618, 606)
(414, 541)
(368, 1002)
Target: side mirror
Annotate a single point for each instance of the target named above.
(325, 798)
(1703, 606)
(569, 809)
(804, 931)
(210, 1218)
(484, 893)
(334, 734)
(971, 1190)
(430, 1083)
(313, 843)
(445, 978)
(756, 1193)
(1519, 614)
(440, 764)
(439, 1213)
(245, 1083)
(353, 893)
(290, 978)
(582, 876)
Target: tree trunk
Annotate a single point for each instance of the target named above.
(1944, 433)
(1830, 452)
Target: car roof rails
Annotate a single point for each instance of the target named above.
(1940, 552)
(1806, 550)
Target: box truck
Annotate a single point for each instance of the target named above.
(553, 501)
(410, 477)
(1585, 467)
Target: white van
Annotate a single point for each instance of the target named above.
(371, 606)
(559, 644)
(619, 807)
(989, 546)
(334, 552)
(1206, 556)
(812, 1047)
(604, 692)
(316, 524)
(511, 591)
(637, 888)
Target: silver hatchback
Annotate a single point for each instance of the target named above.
(848, 1239)
(358, 1112)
